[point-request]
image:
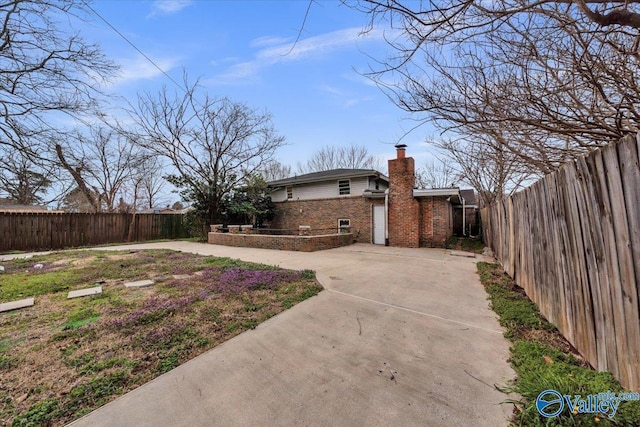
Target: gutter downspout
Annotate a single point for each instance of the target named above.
(464, 216)
(386, 217)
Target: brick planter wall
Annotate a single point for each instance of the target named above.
(323, 214)
(284, 243)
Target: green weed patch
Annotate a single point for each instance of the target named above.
(543, 360)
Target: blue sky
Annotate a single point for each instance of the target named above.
(242, 50)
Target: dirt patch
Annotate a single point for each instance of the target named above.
(63, 358)
(556, 340)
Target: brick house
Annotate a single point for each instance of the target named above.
(377, 209)
(334, 199)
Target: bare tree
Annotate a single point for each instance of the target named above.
(516, 88)
(487, 166)
(83, 193)
(555, 97)
(152, 183)
(102, 164)
(460, 17)
(46, 69)
(213, 143)
(439, 173)
(275, 170)
(333, 157)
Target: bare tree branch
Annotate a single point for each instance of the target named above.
(440, 173)
(532, 82)
(46, 68)
(213, 143)
(333, 157)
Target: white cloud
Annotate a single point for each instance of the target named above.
(278, 51)
(167, 7)
(139, 68)
(355, 101)
(330, 89)
(226, 60)
(316, 45)
(268, 41)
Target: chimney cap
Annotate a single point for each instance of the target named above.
(401, 146)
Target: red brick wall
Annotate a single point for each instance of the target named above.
(436, 221)
(404, 214)
(285, 243)
(323, 214)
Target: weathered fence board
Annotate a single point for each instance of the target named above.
(572, 241)
(41, 231)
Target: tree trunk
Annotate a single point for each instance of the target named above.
(75, 173)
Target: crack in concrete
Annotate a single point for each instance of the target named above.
(416, 311)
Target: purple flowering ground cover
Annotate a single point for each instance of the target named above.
(63, 358)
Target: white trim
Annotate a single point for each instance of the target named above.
(431, 192)
(343, 219)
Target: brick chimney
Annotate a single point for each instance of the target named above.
(404, 209)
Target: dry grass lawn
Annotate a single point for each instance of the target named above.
(63, 358)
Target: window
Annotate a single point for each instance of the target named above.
(289, 192)
(344, 187)
(344, 225)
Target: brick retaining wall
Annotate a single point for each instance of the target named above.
(284, 243)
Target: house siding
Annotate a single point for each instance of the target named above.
(324, 190)
(323, 214)
(279, 195)
(412, 222)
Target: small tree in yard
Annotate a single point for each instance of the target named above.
(213, 144)
(251, 203)
(23, 181)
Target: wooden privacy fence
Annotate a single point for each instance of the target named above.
(40, 231)
(572, 241)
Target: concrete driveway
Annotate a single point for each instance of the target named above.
(400, 337)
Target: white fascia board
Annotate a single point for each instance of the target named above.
(432, 192)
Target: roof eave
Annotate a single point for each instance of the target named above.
(435, 192)
(292, 181)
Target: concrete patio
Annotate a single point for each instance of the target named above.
(399, 337)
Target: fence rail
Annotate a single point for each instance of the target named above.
(572, 241)
(42, 231)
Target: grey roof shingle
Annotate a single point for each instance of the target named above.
(469, 196)
(327, 175)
